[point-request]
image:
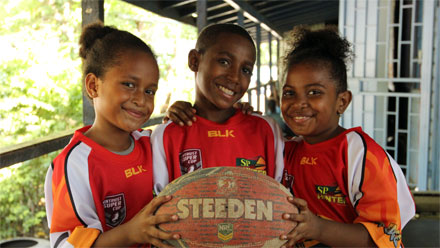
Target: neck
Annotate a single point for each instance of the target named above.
(329, 134)
(114, 140)
(214, 114)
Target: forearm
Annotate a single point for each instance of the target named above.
(116, 237)
(337, 234)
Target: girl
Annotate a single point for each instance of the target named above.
(99, 189)
(349, 191)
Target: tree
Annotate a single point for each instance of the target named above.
(40, 88)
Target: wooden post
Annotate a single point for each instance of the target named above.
(202, 13)
(92, 11)
(258, 26)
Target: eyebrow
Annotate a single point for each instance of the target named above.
(233, 56)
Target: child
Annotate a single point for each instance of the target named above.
(349, 191)
(99, 189)
(222, 136)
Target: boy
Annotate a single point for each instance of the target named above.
(222, 63)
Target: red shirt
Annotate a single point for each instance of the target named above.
(250, 141)
(351, 179)
(90, 190)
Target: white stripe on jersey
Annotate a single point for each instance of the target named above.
(404, 197)
(160, 169)
(144, 133)
(77, 180)
(48, 195)
(278, 146)
(355, 163)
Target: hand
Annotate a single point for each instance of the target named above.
(308, 226)
(181, 112)
(143, 227)
(246, 108)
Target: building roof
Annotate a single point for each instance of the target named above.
(276, 16)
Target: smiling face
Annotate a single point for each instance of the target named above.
(310, 103)
(223, 73)
(124, 97)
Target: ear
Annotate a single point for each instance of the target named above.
(91, 84)
(193, 60)
(344, 99)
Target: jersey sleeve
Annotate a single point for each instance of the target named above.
(160, 168)
(70, 207)
(375, 190)
(278, 146)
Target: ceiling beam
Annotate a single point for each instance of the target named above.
(253, 14)
(154, 7)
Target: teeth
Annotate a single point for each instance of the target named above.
(301, 117)
(226, 90)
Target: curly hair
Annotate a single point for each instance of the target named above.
(101, 47)
(323, 47)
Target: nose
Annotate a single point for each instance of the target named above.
(233, 74)
(298, 102)
(139, 98)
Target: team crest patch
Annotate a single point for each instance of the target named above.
(225, 231)
(114, 209)
(288, 180)
(190, 160)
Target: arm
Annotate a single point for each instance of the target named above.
(328, 232)
(182, 112)
(140, 229)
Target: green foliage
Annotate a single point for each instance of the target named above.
(22, 203)
(40, 87)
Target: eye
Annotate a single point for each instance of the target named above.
(128, 84)
(247, 71)
(150, 92)
(287, 93)
(315, 92)
(223, 61)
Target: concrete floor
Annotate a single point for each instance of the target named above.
(422, 232)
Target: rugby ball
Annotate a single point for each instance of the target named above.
(227, 207)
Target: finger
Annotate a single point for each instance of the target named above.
(298, 202)
(163, 235)
(190, 113)
(294, 217)
(159, 243)
(156, 202)
(176, 119)
(183, 115)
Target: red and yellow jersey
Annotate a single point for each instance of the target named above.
(249, 141)
(90, 190)
(351, 179)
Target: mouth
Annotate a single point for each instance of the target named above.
(227, 92)
(301, 118)
(136, 114)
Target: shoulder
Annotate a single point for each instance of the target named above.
(357, 138)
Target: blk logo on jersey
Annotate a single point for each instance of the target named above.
(221, 134)
(308, 160)
(134, 171)
(257, 164)
(114, 209)
(190, 160)
(331, 194)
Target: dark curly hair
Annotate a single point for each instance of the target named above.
(324, 47)
(101, 47)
